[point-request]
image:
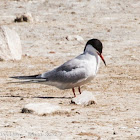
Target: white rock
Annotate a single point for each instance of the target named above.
(10, 45)
(74, 37)
(85, 98)
(41, 108)
(79, 38)
(28, 16)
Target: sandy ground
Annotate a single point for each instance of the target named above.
(116, 116)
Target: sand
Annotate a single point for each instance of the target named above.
(116, 116)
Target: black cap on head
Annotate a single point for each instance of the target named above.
(96, 44)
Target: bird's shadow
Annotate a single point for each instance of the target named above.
(52, 97)
(39, 97)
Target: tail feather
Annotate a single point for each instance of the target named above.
(27, 77)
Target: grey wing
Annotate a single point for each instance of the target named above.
(69, 72)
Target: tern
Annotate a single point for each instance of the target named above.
(75, 72)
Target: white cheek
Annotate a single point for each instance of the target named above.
(90, 49)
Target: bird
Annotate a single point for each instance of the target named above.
(73, 73)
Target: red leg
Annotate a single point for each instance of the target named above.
(79, 90)
(73, 92)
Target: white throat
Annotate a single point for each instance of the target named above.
(93, 52)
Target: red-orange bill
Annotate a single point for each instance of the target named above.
(102, 58)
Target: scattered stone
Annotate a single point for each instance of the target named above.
(108, 30)
(10, 45)
(114, 133)
(73, 13)
(77, 112)
(8, 125)
(24, 18)
(41, 108)
(60, 43)
(75, 122)
(85, 98)
(21, 98)
(74, 37)
(51, 52)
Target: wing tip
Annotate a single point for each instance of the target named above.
(15, 77)
(26, 77)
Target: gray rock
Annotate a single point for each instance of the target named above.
(41, 108)
(10, 45)
(85, 98)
